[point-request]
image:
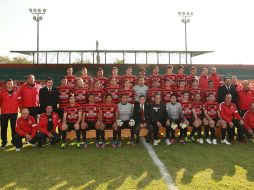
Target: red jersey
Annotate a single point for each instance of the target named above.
(113, 90)
(190, 79)
(152, 92)
(198, 107)
(9, 103)
(72, 113)
(87, 79)
(229, 112)
(26, 126)
(80, 95)
(179, 92)
(216, 80)
(181, 77)
(129, 93)
(248, 120)
(194, 91)
(212, 109)
(43, 123)
(205, 93)
(63, 97)
(91, 112)
(98, 95)
(117, 78)
(109, 113)
(29, 95)
(131, 78)
(71, 80)
(166, 93)
(154, 77)
(187, 109)
(171, 77)
(203, 82)
(245, 98)
(103, 81)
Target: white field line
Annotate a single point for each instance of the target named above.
(162, 168)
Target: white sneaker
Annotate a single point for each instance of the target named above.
(18, 149)
(200, 141)
(167, 142)
(156, 142)
(214, 141)
(225, 142)
(208, 141)
(34, 145)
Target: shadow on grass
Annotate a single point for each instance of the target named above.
(52, 168)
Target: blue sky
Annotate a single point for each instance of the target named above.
(223, 26)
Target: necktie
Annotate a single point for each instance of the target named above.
(142, 114)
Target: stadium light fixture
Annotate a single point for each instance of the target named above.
(37, 16)
(185, 19)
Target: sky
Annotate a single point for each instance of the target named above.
(223, 26)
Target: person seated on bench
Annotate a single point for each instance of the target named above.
(175, 117)
(47, 125)
(249, 122)
(26, 127)
(158, 117)
(90, 119)
(71, 120)
(141, 116)
(108, 117)
(125, 118)
(212, 119)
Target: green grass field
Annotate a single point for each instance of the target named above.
(191, 166)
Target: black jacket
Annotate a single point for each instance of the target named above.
(223, 91)
(48, 98)
(137, 114)
(158, 113)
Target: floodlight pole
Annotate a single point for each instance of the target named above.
(185, 21)
(37, 16)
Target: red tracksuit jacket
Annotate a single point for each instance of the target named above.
(9, 103)
(229, 112)
(248, 120)
(245, 98)
(43, 123)
(24, 126)
(29, 96)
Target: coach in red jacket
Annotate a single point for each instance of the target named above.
(229, 114)
(29, 95)
(9, 107)
(47, 125)
(249, 122)
(26, 127)
(245, 97)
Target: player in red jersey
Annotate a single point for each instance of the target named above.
(90, 119)
(155, 89)
(193, 76)
(180, 75)
(203, 79)
(197, 110)
(169, 75)
(97, 91)
(212, 118)
(100, 77)
(194, 89)
(71, 120)
(108, 117)
(115, 76)
(215, 78)
(127, 90)
(63, 98)
(113, 89)
(142, 73)
(188, 116)
(209, 90)
(181, 89)
(167, 91)
(86, 78)
(70, 77)
(80, 92)
(155, 76)
(129, 76)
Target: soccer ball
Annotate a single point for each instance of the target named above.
(131, 122)
(119, 123)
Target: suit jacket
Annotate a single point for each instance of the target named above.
(48, 98)
(137, 114)
(223, 91)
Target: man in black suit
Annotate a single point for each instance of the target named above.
(48, 96)
(225, 89)
(141, 116)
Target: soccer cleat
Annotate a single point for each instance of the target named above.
(62, 146)
(119, 144)
(114, 145)
(183, 141)
(214, 141)
(156, 142)
(34, 145)
(78, 145)
(133, 143)
(103, 145)
(208, 141)
(225, 142)
(172, 141)
(200, 141)
(85, 145)
(167, 142)
(18, 149)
